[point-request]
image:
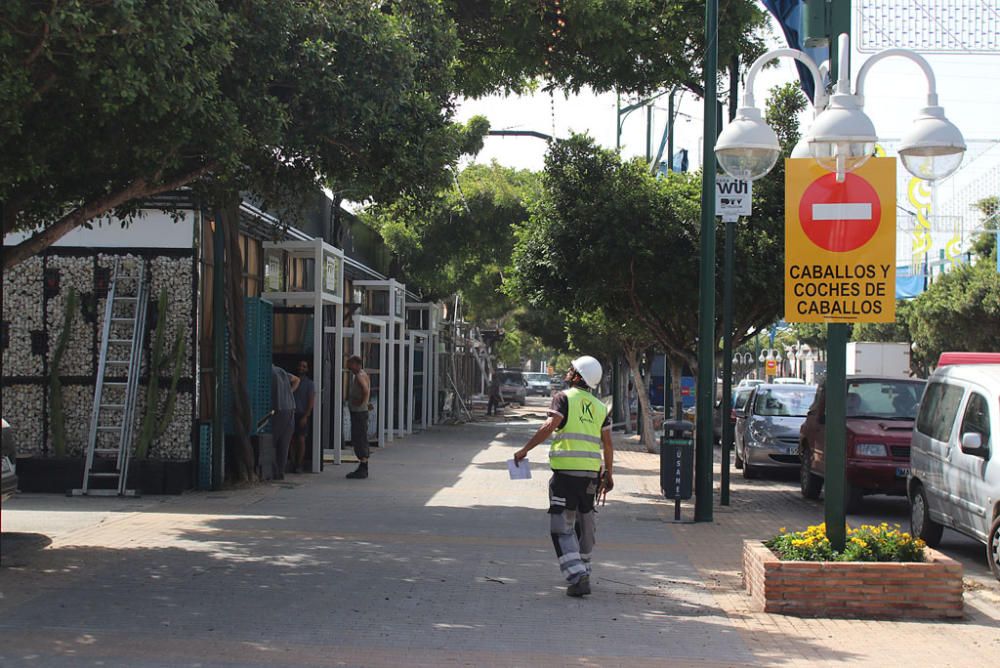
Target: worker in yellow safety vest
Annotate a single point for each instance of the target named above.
(582, 441)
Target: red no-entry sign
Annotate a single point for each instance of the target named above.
(840, 217)
(840, 243)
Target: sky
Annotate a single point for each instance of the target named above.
(968, 86)
(895, 89)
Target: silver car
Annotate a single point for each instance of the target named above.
(539, 383)
(767, 428)
(513, 388)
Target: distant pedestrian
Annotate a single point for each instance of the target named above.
(283, 384)
(582, 429)
(495, 399)
(305, 401)
(357, 402)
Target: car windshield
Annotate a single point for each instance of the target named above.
(789, 401)
(740, 400)
(537, 377)
(884, 399)
(511, 377)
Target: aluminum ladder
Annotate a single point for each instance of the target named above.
(117, 386)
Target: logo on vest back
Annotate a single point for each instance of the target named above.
(587, 412)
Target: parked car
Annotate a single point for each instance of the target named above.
(880, 412)
(954, 477)
(767, 428)
(539, 383)
(740, 396)
(513, 387)
(750, 382)
(8, 462)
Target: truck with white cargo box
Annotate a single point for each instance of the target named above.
(878, 359)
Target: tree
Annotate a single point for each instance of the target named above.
(961, 309)
(595, 333)
(108, 103)
(609, 235)
(460, 240)
(633, 45)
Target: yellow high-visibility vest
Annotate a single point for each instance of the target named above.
(577, 445)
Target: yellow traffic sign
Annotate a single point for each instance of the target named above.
(840, 243)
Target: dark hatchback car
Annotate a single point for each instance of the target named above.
(880, 414)
(740, 396)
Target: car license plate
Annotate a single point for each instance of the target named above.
(902, 472)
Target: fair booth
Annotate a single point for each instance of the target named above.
(366, 337)
(423, 322)
(309, 276)
(384, 301)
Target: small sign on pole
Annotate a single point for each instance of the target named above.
(732, 197)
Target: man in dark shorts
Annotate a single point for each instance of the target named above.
(305, 401)
(582, 439)
(283, 384)
(357, 403)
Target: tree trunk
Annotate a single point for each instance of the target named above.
(138, 189)
(243, 468)
(676, 369)
(648, 440)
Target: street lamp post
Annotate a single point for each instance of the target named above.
(841, 139)
(706, 284)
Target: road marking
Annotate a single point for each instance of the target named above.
(842, 211)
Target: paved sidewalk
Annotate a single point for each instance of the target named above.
(437, 559)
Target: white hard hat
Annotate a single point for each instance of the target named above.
(590, 369)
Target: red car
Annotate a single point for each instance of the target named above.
(880, 414)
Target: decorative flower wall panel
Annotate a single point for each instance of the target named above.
(22, 310)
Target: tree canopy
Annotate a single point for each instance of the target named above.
(637, 46)
(460, 241)
(960, 310)
(608, 235)
(107, 103)
(110, 102)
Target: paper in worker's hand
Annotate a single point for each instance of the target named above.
(521, 471)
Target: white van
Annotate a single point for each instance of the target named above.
(954, 478)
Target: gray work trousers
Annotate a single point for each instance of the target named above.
(282, 427)
(359, 433)
(572, 523)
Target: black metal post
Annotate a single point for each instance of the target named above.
(727, 358)
(704, 449)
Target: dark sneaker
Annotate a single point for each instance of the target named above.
(580, 588)
(359, 473)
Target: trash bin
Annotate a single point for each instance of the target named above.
(677, 462)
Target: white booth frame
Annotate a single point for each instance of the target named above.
(357, 337)
(396, 360)
(328, 289)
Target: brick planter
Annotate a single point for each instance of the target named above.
(852, 589)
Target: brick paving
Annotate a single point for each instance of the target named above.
(437, 560)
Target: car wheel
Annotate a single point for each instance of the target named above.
(810, 483)
(738, 462)
(993, 547)
(921, 524)
(750, 471)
